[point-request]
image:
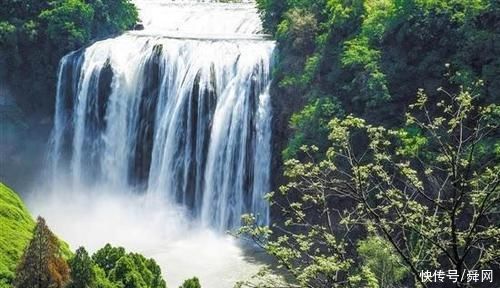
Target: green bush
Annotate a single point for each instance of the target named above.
(310, 126)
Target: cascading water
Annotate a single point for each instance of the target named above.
(179, 111)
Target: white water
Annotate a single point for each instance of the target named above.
(154, 229)
(162, 140)
(191, 19)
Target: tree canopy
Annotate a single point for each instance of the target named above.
(42, 265)
(128, 269)
(417, 198)
(82, 270)
(372, 56)
(191, 283)
(34, 35)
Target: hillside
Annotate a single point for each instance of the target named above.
(16, 225)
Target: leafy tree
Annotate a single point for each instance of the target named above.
(373, 55)
(101, 280)
(435, 202)
(126, 273)
(311, 126)
(299, 27)
(34, 35)
(130, 270)
(82, 270)
(107, 257)
(68, 23)
(191, 283)
(271, 12)
(42, 265)
(112, 16)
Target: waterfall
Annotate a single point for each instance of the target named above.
(180, 111)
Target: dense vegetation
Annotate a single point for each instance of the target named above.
(112, 267)
(44, 265)
(384, 204)
(375, 188)
(16, 226)
(390, 150)
(34, 35)
(370, 58)
(32, 256)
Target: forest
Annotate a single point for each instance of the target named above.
(385, 151)
(389, 140)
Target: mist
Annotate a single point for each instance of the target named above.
(152, 227)
(23, 142)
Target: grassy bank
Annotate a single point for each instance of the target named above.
(16, 225)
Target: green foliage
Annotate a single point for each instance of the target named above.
(299, 26)
(82, 272)
(382, 261)
(7, 33)
(126, 273)
(365, 278)
(34, 35)
(127, 270)
(113, 267)
(42, 264)
(16, 225)
(107, 257)
(101, 280)
(191, 283)
(412, 141)
(44, 260)
(426, 213)
(112, 16)
(271, 12)
(311, 126)
(374, 55)
(68, 23)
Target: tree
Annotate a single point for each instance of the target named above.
(68, 23)
(42, 264)
(126, 273)
(372, 56)
(191, 283)
(82, 270)
(112, 16)
(430, 190)
(101, 280)
(311, 126)
(107, 257)
(129, 270)
(35, 34)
